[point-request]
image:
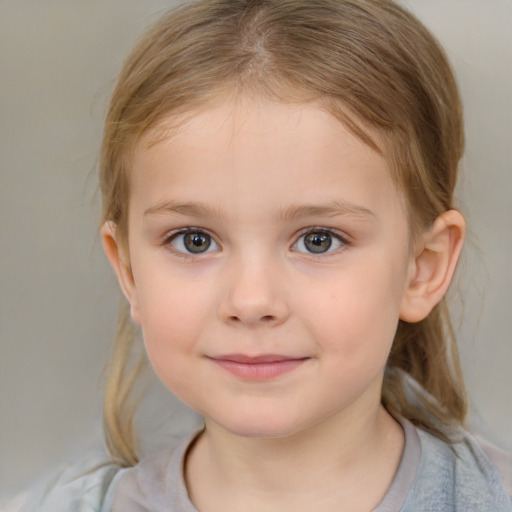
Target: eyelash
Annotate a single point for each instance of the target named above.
(319, 231)
(344, 243)
(167, 242)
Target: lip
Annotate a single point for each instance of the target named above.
(258, 368)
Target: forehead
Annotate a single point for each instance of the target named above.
(233, 111)
(252, 148)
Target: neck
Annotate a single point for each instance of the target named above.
(334, 460)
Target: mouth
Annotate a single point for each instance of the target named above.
(258, 368)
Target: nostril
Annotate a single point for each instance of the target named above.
(234, 319)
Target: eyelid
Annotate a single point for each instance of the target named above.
(171, 236)
(344, 239)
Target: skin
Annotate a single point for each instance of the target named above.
(254, 178)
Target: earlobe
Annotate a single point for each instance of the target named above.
(433, 267)
(120, 263)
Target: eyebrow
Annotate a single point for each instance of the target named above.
(189, 209)
(331, 209)
(290, 213)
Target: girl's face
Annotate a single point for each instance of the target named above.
(270, 256)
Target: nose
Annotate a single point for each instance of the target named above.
(254, 295)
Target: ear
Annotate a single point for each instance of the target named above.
(120, 263)
(431, 270)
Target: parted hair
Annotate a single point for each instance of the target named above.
(371, 64)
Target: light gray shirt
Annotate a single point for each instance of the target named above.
(432, 476)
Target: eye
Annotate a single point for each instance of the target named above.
(318, 242)
(193, 242)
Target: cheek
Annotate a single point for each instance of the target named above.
(173, 314)
(357, 318)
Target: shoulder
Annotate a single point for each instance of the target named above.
(84, 486)
(157, 483)
(458, 476)
(501, 459)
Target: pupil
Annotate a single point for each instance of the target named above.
(197, 242)
(318, 242)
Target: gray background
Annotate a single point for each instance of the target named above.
(58, 61)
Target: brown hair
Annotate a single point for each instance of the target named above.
(368, 62)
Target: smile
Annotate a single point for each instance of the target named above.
(258, 368)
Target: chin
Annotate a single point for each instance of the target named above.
(262, 427)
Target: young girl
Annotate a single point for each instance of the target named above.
(278, 179)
